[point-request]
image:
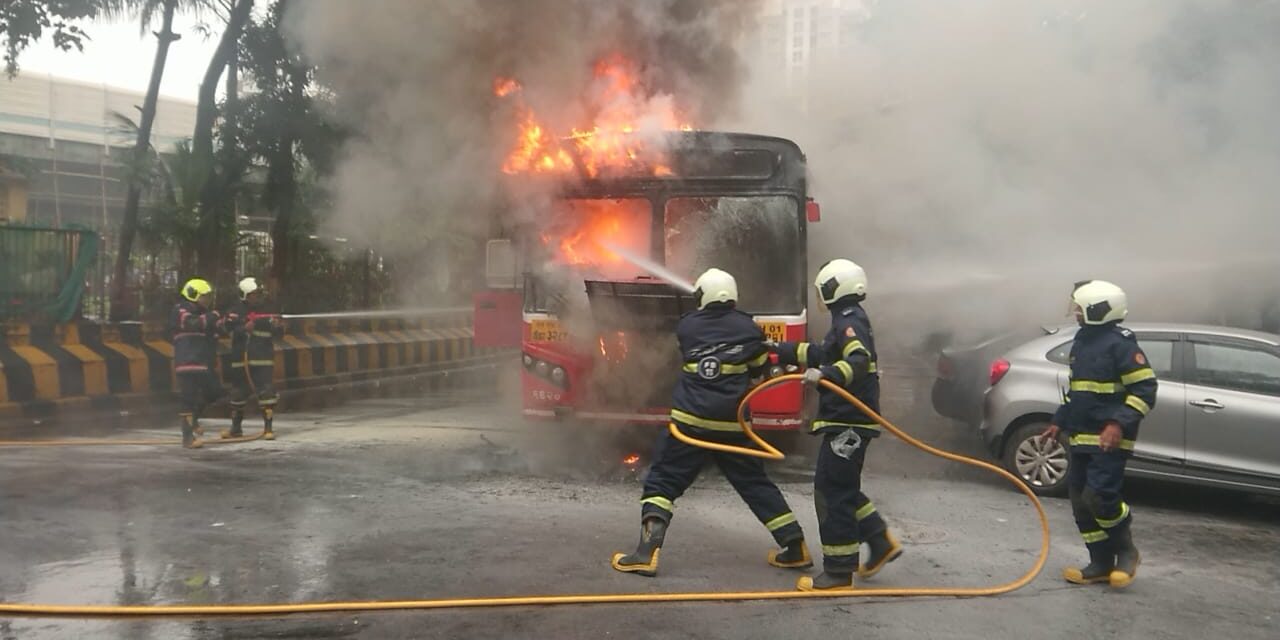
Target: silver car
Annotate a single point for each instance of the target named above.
(1216, 420)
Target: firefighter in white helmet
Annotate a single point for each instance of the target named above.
(722, 351)
(1112, 388)
(252, 363)
(846, 356)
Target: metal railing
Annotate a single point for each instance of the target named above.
(43, 271)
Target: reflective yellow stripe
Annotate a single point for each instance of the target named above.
(1111, 523)
(692, 367)
(1093, 439)
(840, 549)
(865, 511)
(714, 425)
(1091, 537)
(1095, 387)
(262, 334)
(846, 369)
(759, 362)
(1138, 403)
(254, 363)
(872, 368)
(820, 424)
(802, 352)
(780, 521)
(854, 345)
(1137, 375)
(659, 501)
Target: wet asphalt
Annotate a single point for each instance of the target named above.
(453, 496)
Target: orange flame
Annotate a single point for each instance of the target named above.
(614, 347)
(631, 460)
(584, 228)
(503, 87)
(615, 142)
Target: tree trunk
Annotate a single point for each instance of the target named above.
(282, 175)
(212, 196)
(120, 308)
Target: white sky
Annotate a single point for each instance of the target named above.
(119, 56)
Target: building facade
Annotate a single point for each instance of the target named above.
(67, 142)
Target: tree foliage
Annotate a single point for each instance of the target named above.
(23, 22)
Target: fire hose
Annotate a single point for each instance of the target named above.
(613, 598)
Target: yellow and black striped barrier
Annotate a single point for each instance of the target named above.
(54, 368)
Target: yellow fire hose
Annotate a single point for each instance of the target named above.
(49, 610)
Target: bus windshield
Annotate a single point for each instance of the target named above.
(755, 238)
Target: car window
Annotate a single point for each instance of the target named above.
(1060, 354)
(1159, 354)
(1237, 367)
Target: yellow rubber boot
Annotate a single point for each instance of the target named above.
(644, 560)
(826, 581)
(794, 556)
(268, 414)
(885, 548)
(1127, 559)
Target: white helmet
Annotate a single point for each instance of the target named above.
(1099, 302)
(840, 278)
(715, 285)
(248, 286)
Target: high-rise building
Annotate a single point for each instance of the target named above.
(798, 35)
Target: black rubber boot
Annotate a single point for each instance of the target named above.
(644, 560)
(1127, 558)
(189, 438)
(795, 555)
(268, 413)
(885, 548)
(826, 581)
(1101, 562)
(237, 419)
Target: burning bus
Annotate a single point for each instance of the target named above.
(623, 215)
(603, 280)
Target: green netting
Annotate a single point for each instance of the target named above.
(43, 272)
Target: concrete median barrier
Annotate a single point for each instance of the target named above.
(51, 370)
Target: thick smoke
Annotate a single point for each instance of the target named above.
(415, 80)
(979, 157)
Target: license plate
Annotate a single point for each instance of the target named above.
(547, 331)
(775, 331)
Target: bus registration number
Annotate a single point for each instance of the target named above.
(547, 331)
(775, 331)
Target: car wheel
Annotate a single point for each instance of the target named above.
(1040, 463)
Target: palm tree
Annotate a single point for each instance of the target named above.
(145, 11)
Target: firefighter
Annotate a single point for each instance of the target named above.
(195, 328)
(1112, 388)
(847, 357)
(252, 358)
(723, 350)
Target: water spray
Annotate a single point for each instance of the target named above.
(654, 269)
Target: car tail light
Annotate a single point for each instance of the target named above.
(999, 367)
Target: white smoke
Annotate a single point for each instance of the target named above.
(980, 157)
(414, 80)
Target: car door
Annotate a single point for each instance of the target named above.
(1162, 435)
(1233, 412)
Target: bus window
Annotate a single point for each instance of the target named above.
(755, 238)
(582, 230)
